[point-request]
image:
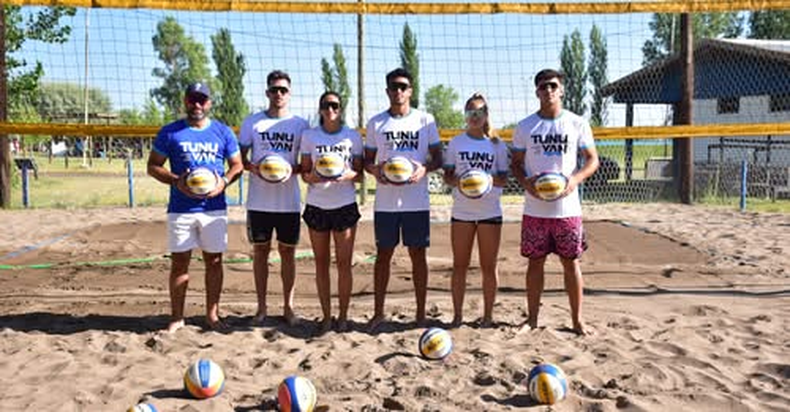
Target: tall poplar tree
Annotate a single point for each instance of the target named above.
(573, 66)
(597, 69)
(229, 104)
(410, 60)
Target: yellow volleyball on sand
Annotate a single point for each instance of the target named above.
(330, 165)
(547, 384)
(398, 169)
(435, 343)
(550, 185)
(274, 168)
(475, 183)
(201, 181)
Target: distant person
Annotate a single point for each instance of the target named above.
(331, 211)
(480, 217)
(401, 210)
(195, 221)
(273, 207)
(549, 141)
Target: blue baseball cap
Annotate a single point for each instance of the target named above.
(199, 87)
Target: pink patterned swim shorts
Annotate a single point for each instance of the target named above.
(541, 236)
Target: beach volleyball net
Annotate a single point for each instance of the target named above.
(113, 71)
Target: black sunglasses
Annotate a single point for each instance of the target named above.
(330, 105)
(399, 86)
(197, 98)
(549, 85)
(278, 90)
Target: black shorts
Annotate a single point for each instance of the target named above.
(324, 220)
(490, 221)
(260, 226)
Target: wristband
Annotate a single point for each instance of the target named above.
(226, 180)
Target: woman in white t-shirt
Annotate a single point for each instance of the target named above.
(479, 216)
(331, 210)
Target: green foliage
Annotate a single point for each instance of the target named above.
(229, 104)
(185, 62)
(410, 60)
(666, 32)
(770, 24)
(439, 101)
(336, 78)
(572, 61)
(65, 102)
(597, 69)
(44, 26)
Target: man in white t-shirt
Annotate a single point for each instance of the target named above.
(273, 207)
(549, 141)
(401, 210)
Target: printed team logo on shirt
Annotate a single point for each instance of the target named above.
(343, 150)
(278, 141)
(550, 144)
(199, 152)
(477, 160)
(402, 141)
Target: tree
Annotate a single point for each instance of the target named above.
(666, 32)
(410, 60)
(65, 102)
(229, 104)
(336, 78)
(439, 101)
(44, 26)
(597, 69)
(572, 62)
(185, 62)
(770, 24)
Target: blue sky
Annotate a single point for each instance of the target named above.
(495, 54)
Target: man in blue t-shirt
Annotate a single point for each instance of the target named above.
(195, 221)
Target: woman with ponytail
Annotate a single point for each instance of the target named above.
(481, 216)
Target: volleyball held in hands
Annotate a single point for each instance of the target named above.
(296, 394)
(204, 379)
(330, 165)
(550, 185)
(398, 169)
(547, 384)
(435, 344)
(201, 181)
(475, 183)
(274, 168)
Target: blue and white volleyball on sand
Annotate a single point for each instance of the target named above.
(143, 407)
(204, 379)
(547, 384)
(435, 343)
(296, 394)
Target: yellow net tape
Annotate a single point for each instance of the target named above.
(689, 6)
(603, 133)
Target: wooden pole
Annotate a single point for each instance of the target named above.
(685, 146)
(629, 143)
(361, 91)
(5, 150)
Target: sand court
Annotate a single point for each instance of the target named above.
(689, 308)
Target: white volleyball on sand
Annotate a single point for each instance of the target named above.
(330, 165)
(475, 183)
(296, 394)
(143, 407)
(550, 185)
(204, 379)
(547, 384)
(274, 168)
(398, 169)
(435, 343)
(201, 181)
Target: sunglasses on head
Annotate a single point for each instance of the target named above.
(197, 98)
(476, 112)
(330, 105)
(278, 90)
(549, 86)
(398, 86)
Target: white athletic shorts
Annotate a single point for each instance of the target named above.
(206, 230)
